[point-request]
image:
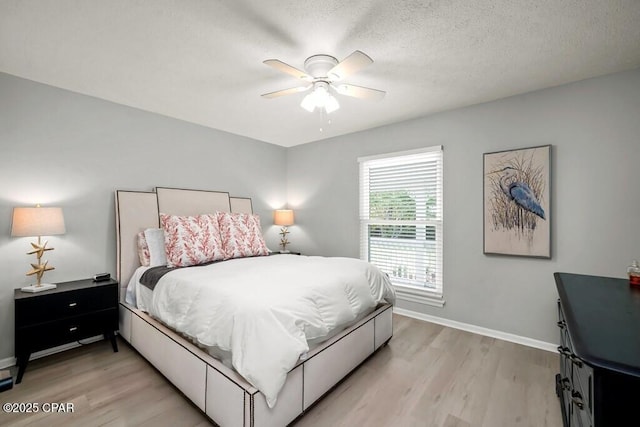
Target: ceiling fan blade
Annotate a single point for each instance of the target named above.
(285, 92)
(286, 68)
(351, 64)
(360, 92)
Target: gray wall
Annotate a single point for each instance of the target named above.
(59, 148)
(594, 128)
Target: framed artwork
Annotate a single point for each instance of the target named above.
(517, 210)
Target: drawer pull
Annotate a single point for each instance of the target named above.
(575, 360)
(73, 329)
(73, 304)
(576, 399)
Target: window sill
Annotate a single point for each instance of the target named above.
(419, 296)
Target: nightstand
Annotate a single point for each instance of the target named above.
(284, 253)
(73, 311)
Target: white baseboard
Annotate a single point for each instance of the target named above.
(7, 363)
(11, 361)
(505, 336)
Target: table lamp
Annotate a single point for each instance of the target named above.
(284, 218)
(32, 222)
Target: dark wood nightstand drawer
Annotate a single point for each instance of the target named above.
(73, 311)
(69, 329)
(32, 311)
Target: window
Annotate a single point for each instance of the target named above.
(401, 220)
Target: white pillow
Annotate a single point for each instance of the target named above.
(155, 242)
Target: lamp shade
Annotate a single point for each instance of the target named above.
(283, 217)
(32, 222)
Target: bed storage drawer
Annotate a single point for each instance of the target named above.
(324, 369)
(383, 327)
(288, 406)
(226, 400)
(181, 367)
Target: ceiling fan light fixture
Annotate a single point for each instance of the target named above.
(322, 72)
(320, 98)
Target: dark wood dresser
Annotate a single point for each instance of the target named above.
(73, 311)
(599, 379)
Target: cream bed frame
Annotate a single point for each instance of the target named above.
(217, 390)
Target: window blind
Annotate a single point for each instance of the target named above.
(401, 216)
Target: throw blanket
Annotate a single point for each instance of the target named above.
(151, 277)
(264, 309)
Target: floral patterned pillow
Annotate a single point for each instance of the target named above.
(143, 250)
(191, 240)
(241, 235)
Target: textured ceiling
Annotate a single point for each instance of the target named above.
(201, 60)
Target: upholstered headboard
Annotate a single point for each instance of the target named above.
(139, 210)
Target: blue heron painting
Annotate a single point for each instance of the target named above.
(516, 202)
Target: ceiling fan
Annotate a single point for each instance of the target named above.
(322, 74)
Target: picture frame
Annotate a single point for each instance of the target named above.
(517, 202)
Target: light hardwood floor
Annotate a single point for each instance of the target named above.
(428, 375)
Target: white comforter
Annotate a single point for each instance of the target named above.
(264, 309)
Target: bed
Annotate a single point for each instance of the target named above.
(209, 382)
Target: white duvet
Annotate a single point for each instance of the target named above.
(264, 309)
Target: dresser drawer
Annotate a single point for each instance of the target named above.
(32, 311)
(66, 330)
(582, 403)
(565, 349)
(583, 379)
